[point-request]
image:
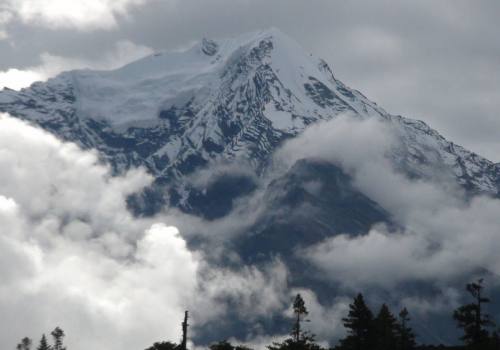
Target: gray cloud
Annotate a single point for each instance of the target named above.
(72, 255)
(432, 61)
(436, 62)
(446, 237)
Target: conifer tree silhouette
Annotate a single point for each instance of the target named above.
(359, 324)
(406, 337)
(299, 309)
(43, 344)
(385, 328)
(472, 318)
(299, 340)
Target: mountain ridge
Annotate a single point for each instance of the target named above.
(176, 112)
(208, 122)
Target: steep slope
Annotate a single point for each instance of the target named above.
(230, 104)
(222, 100)
(310, 202)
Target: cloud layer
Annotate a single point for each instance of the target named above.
(73, 256)
(446, 237)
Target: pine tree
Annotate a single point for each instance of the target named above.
(58, 336)
(472, 319)
(385, 328)
(43, 344)
(406, 337)
(299, 339)
(359, 324)
(25, 344)
(299, 309)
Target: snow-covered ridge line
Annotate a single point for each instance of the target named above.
(221, 100)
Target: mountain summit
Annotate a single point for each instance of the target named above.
(196, 113)
(175, 112)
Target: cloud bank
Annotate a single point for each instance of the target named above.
(447, 238)
(73, 256)
(122, 53)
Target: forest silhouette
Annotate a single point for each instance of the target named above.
(364, 330)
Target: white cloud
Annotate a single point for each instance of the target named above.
(75, 14)
(71, 254)
(17, 79)
(344, 140)
(446, 237)
(51, 65)
(256, 292)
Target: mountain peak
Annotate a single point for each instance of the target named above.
(226, 46)
(163, 80)
(209, 47)
(237, 97)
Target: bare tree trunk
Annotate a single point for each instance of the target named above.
(184, 331)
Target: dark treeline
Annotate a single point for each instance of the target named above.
(364, 330)
(57, 342)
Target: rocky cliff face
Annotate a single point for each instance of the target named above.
(231, 99)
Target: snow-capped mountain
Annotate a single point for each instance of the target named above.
(225, 99)
(236, 101)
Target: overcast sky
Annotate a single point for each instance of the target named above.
(432, 60)
(435, 61)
